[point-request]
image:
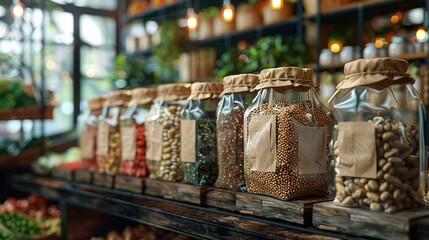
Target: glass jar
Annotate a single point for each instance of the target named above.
(398, 47)
(163, 132)
(87, 130)
(326, 58)
(379, 149)
(133, 137)
(347, 54)
(108, 132)
(370, 51)
(198, 137)
(238, 93)
(279, 158)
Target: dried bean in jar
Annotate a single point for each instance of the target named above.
(397, 183)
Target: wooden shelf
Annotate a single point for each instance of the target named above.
(189, 219)
(199, 221)
(26, 113)
(155, 12)
(261, 30)
(413, 56)
(22, 160)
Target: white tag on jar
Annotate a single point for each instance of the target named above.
(357, 149)
(103, 139)
(128, 143)
(312, 148)
(262, 143)
(154, 141)
(86, 143)
(187, 141)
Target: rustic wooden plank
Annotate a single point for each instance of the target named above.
(175, 191)
(128, 183)
(63, 174)
(296, 211)
(103, 180)
(191, 193)
(167, 190)
(83, 176)
(375, 224)
(220, 198)
(30, 113)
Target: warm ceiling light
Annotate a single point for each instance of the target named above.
(18, 9)
(335, 46)
(395, 18)
(379, 43)
(421, 34)
(276, 4)
(192, 19)
(228, 11)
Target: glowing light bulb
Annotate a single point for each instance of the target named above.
(276, 4)
(192, 20)
(421, 34)
(335, 46)
(18, 10)
(395, 18)
(379, 43)
(228, 12)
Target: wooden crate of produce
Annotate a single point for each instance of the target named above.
(366, 223)
(175, 191)
(220, 198)
(103, 180)
(296, 211)
(128, 183)
(83, 176)
(63, 174)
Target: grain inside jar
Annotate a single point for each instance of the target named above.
(287, 133)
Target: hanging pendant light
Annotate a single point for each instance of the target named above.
(18, 9)
(277, 4)
(192, 19)
(228, 11)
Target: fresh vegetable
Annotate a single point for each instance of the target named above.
(5, 236)
(19, 224)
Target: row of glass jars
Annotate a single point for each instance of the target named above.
(397, 48)
(277, 142)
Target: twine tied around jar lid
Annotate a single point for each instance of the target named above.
(205, 90)
(173, 92)
(142, 96)
(286, 77)
(118, 98)
(95, 103)
(377, 73)
(240, 83)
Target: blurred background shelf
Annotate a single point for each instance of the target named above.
(27, 113)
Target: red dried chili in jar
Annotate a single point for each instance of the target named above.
(133, 138)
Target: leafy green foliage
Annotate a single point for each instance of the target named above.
(268, 52)
(131, 70)
(165, 53)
